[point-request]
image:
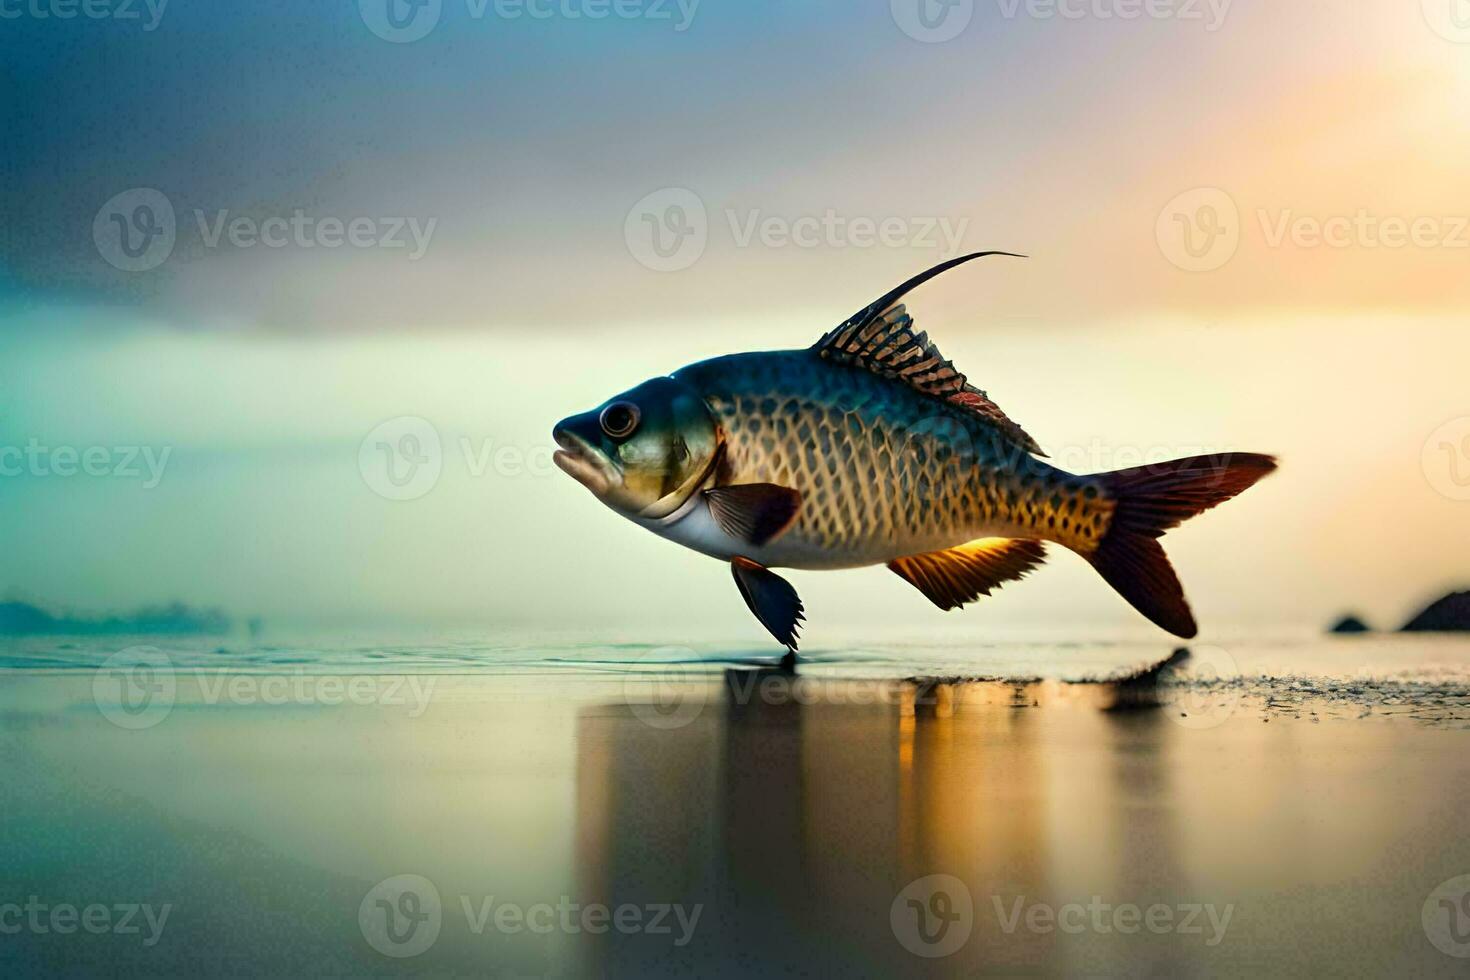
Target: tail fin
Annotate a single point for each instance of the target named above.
(1149, 501)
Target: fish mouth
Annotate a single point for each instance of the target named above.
(578, 460)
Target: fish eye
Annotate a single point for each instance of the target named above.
(619, 419)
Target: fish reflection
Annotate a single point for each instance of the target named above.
(795, 811)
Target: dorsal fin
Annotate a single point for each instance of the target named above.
(881, 338)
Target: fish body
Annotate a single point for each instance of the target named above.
(883, 470)
(871, 448)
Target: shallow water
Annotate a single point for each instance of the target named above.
(1414, 657)
(1291, 806)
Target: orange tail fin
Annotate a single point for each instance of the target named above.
(1151, 500)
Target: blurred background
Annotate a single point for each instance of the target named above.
(292, 294)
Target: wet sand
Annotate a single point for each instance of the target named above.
(593, 823)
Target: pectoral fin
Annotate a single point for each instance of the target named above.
(960, 575)
(772, 599)
(753, 512)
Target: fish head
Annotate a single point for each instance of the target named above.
(643, 452)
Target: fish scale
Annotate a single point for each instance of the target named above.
(898, 472)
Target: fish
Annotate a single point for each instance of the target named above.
(870, 447)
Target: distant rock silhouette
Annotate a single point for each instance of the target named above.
(1350, 624)
(19, 618)
(1450, 614)
(24, 619)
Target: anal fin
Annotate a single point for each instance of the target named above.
(963, 574)
(772, 599)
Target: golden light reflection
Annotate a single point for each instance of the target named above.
(807, 816)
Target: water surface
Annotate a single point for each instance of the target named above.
(1273, 821)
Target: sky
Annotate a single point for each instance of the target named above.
(243, 242)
